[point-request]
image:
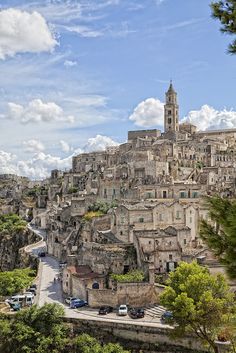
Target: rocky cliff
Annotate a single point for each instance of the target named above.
(14, 235)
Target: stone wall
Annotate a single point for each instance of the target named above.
(143, 134)
(133, 294)
(136, 337)
(102, 223)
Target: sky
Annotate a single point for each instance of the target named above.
(76, 75)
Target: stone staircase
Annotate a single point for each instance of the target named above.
(154, 311)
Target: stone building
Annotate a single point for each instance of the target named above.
(158, 180)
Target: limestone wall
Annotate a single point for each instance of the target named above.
(133, 294)
(149, 337)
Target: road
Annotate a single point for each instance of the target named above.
(50, 291)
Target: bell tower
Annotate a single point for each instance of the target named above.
(171, 122)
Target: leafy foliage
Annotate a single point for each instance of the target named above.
(220, 233)
(41, 330)
(11, 223)
(200, 303)
(131, 276)
(89, 215)
(225, 11)
(12, 282)
(72, 190)
(34, 331)
(101, 206)
(98, 209)
(33, 192)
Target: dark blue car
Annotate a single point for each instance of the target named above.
(167, 317)
(78, 303)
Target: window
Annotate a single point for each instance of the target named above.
(122, 220)
(195, 194)
(185, 241)
(170, 257)
(182, 195)
(150, 242)
(169, 120)
(121, 233)
(169, 112)
(164, 194)
(141, 220)
(178, 215)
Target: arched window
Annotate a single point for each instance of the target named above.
(169, 120)
(95, 285)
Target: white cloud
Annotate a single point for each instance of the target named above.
(38, 167)
(65, 147)
(6, 163)
(208, 118)
(33, 146)
(84, 31)
(38, 111)
(99, 143)
(70, 63)
(21, 32)
(149, 112)
(41, 164)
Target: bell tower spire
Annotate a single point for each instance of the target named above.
(171, 119)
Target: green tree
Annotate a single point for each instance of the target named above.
(225, 11)
(86, 344)
(220, 232)
(113, 348)
(201, 304)
(41, 330)
(12, 282)
(34, 331)
(11, 223)
(131, 276)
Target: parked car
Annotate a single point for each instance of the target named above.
(104, 310)
(62, 264)
(33, 286)
(32, 290)
(22, 299)
(42, 254)
(15, 307)
(78, 303)
(123, 310)
(137, 313)
(167, 317)
(68, 300)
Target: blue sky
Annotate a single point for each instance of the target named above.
(77, 75)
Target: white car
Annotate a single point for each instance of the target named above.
(68, 300)
(123, 310)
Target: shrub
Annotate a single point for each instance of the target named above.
(131, 276)
(11, 223)
(72, 190)
(89, 215)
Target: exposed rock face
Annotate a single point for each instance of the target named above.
(10, 244)
(15, 199)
